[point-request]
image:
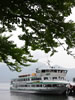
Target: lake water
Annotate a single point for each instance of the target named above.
(5, 94)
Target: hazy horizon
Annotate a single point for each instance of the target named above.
(6, 75)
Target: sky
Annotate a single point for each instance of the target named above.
(60, 58)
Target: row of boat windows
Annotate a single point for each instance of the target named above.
(41, 85)
(38, 79)
(28, 79)
(59, 71)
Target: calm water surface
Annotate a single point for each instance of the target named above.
(6, 95)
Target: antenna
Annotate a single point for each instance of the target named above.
(48, 62)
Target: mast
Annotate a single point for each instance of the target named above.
(49, 63)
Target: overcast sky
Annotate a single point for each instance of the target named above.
(61, 58)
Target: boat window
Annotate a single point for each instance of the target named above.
(38, 85)
(60, 71)
(55, 70)
(51, 70)
(47, 73)
(62, 78)
(20, 79)
(32, 85)
(47, 70)
(59, 77)
(54, 85)
(45, 78)
(27, 79)
(26, 85)
(23, 85)
(48, 85)
(54, 77)
(43, 71)
(36, 79)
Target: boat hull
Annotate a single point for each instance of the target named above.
(41, 91)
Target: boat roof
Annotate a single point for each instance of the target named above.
(56, 67)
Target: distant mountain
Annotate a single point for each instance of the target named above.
(70, 74)
(6, 75)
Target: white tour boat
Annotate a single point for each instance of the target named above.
(45, 81)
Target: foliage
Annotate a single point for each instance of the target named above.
(45, 19)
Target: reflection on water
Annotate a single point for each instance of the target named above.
(7, 95)
(22, 96)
